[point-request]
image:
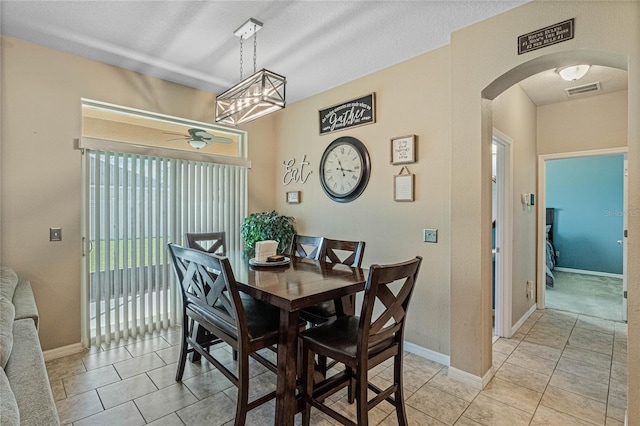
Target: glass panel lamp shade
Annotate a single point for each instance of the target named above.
(253, 97)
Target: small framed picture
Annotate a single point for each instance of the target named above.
(293, 197)
(403, 150)
(403, 186)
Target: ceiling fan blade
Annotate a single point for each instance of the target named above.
(221, 139)
(178, 139)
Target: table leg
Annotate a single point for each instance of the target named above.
(287, 354)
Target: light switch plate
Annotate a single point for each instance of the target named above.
(430, 235)
(55, 234)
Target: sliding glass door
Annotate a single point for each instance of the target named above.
(135, 205)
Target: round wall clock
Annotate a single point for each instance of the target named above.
(344, 169)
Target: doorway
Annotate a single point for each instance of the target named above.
(590, 270)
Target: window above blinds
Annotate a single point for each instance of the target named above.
(104, 123)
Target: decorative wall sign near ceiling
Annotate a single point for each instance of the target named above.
(257, 95)
(547, 36)
(356, 112)
(403, 150)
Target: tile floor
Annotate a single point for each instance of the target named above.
(559, 369)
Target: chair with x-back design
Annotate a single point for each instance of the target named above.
(210, 298)
(209, 242)
(361, 343)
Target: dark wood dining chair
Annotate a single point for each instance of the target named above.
(211, 298)
(209, 242)
(305, 246)
(361, 343)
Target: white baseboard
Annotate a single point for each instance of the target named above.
(581, 271)
(525, 317)
(426, 353)
(63, 351)
(470, 379)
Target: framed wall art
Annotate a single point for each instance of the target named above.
(403, 186)
(403, 150)
(293, 197)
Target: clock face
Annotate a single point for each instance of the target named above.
(344, 169)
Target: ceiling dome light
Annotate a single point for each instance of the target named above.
(573, 73)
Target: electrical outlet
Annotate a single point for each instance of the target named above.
(55, 234)
(529, 290)
(430, 235)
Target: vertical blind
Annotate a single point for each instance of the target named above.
(135, 205)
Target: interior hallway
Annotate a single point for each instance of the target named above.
(560, 368)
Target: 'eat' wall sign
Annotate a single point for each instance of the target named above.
(356, 112)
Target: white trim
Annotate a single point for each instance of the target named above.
(525, 317)
(504, 235)
(582, 271)
(542, 205)
(63, 351)
(427, 353)
(470, 379)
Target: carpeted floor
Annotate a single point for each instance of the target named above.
(591, 295)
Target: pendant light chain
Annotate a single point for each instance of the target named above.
(255, 49)
(240, 57)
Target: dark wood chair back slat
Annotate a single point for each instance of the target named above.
(342, 251)
(209, 242)
(306, 246)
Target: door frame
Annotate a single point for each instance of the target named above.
(504, 235)
(542, 203)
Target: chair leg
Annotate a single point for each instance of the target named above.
(243, 391)
(308, 361)
(184, 346)
(361, 396)
(200, 336)
(399, 394)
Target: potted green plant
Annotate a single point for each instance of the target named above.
(267, 226)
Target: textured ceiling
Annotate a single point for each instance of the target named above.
(317, 45)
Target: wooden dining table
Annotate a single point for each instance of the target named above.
(299, 284)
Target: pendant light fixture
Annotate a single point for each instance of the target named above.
(255, 96)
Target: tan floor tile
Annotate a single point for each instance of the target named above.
(375, 415)
(454, 387)
(583, 369)
(126, 390)
(138, 365)
(498, 358)
(546, 416)
(57, 389)
(505, 345)
(166, 376)
(616, 408)
(533, 363)
(258, 386)
(580, 385)
(64, 367)
(532, 349)
(465, 421)
(511, 394)
(591, 340)
(169, 355)
(596, 358)
(103, 358)
(83, 382)
(164, 401)
(214, 410)
(488, 411)
(527, 378)
(147, 346)
(440, 405)
(169, 420)
(597, 324)
(414, 418)
(122, 414)
(78, 407)
(207, 384)
(421, 373)
(575, 405)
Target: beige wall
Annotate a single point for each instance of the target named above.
(40, 171)
(604, 32)
(515, 116)
(411, 98)
(596, 122)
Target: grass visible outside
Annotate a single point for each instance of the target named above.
(134, 246)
